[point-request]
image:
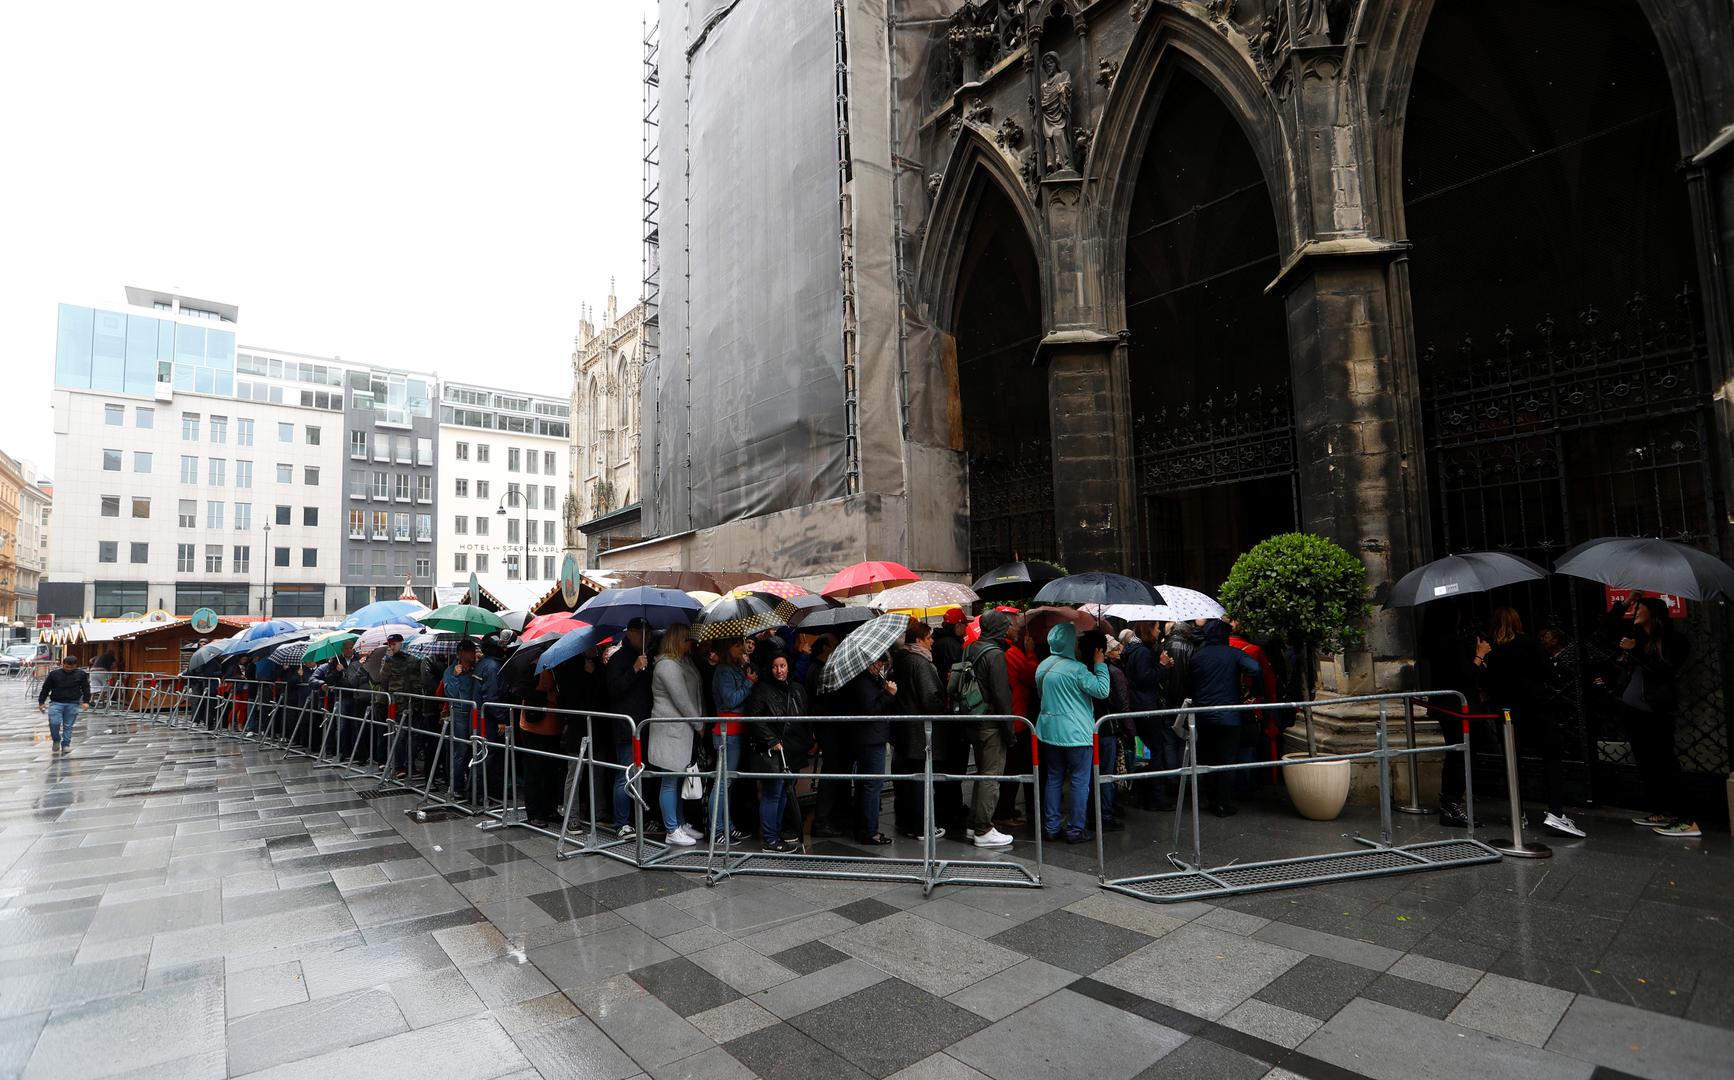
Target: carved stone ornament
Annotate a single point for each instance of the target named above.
(933, 182)
(1027, 169)
(979, 112)
(1081, 145)
(1010, 135)
(1105, 72)
(1139, 7)
(1055, 109)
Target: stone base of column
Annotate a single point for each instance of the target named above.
(1354, 729)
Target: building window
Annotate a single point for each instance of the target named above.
(530, 461)
(512, 459)
(461, 525)
(461, 563)
(280, 556)
(380, 518)
(400, 486)
(310, 475)
(463, 451)
(548, 496)
(243, 558)
(141, 553)
(530, 500)
(381, 484)
(189, 469)
(482, 489)
(111, 506)
(111, 461)
(243, 432)
(141, 462)
(405, 450)
(310, 515)
(548, 462)
(312, 435)
(213, 558)
(281, 515)
(511, 530)
(216, 469)
(186, 558)
(213, 515)
(114, 415)
(548, 534)
(285, 433)
(481, 525)
(548, 567)
(400, 527)
(424, 527)
(358, 445)
(511, 568)
(107, 551)
(243, 474)
(357, 525)
(143, 417)
(423, 567)
(117, 598)
(424, 487)
(424, 452)
(382, 447)
(462, 489)
(482, 452)
(357, 484)
(243, 516)
(190, 427)
(187, 515)
(400, 564)
(357, 596)
(141, 507)
(219, 429)
(309, 556)
(481, 562)
(381, 561)
(285, 473)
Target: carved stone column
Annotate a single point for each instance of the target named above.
(1091, 427)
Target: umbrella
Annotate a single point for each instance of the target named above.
(792, 609)
(855, 653)
(520, 670)
(842, 619)
(373, 640)
(1132, 613)
(559, 622)
(204, 655)
(566, 646)
(255, 646)
(924, 594)
(704, 596)
(784, 590)
(868, 577)
(326, 646)
(1016, 580)
(268, 628)
(1038, 621)
(735, 616)
(381, 612)
(1650, 565)
(660, 608)
(1097, 587)
(1184, 605)
(289, 654)
(466, 619)
(1470, 572)
(433, 647)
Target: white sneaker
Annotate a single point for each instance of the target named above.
(992, 838)
(690, 833)
(1561, 823)
(625, 832)
(681, 838)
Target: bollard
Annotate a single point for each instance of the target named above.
(1516, 846)
(1413, 764)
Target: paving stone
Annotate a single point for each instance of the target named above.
(698, 939)
(434, 997)
(1200, 1057)
(1440, 973)
(712, 1064)
(400, 900)
(790, 934)
(937, 959)
(684, 986)
(1136, 915)
(938, 1067)
(1272, 1023)
(728, 1022)
(865, 911)
(1364, 1038)
(1317, 987)
(857, 1026)
(535, 1013)
(1200, 969)
(808, 958)
(1416, 997)
(18, 1035)
(611, 952)
(740, 967)
(311, 1028)
(158, 1027)
(639, 1022)
(270, 987)
(782, 1052)
(1522, 1011)
(1038, 1041)
(1003, 993)
(1235, 922)
(822, 986)
(741, 913)
(1303, 939)
(1640, 1042)
(506, 982)
(339, 970)
(474, 1048)
(575, 1048)
(1071, 941)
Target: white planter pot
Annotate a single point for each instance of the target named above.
(1318, 789)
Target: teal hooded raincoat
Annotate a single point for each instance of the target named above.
(1068, 686)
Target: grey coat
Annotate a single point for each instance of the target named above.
(676, 689)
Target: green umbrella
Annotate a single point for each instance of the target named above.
(326, 646)
(465, 619)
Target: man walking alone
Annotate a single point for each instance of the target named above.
(64, 692)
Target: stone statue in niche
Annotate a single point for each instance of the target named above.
(1056, 110)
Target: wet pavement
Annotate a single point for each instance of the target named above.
(177, 905)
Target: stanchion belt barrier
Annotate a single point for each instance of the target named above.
(1192, 880)
(720, 860)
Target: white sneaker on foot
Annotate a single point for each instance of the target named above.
(992, 838)
(1562, 824)
(681, 838)
(690, 833)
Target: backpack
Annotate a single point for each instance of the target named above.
(964, 689)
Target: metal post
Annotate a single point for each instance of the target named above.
(1385, 775)
(1413, 806)
(1515, 845)
(1192, 765)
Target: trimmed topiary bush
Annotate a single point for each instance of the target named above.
(1304, 589)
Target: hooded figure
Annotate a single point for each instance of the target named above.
(1066, 728)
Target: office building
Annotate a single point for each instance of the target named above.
(505, 476)
(30, 553)
(388, 511)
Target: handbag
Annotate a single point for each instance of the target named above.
(692, 788)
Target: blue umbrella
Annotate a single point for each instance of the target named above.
(241, 645)
(660, 608)
(268, 628)
(572, 643)
(381, 612)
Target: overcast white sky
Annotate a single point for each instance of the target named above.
(428, 185)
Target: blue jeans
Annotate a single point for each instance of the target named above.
(668, 798)
(61, 714)
(459, 764)
(1072, 765)
(1110, 745)
(773, 802)
(869, 759)
(733, 760)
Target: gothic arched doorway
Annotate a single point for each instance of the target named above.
(1561, 349)
(997, 321)
(1212, 419)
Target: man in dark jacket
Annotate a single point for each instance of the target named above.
(868, 694)
(399, 673)
(1144, 687)
(948, 643)
(988, 740)
(1214, 673)
(919, 693)
(626, 678)
(64, 691)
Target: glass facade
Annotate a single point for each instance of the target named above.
(224, 598)
(121, 353)
(297, 601)
(113, 599)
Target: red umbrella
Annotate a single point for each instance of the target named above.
(557, 623)
(869, 577)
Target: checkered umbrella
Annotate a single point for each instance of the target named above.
(733, 617)
(857, 652)
(290, 654)
(924, 594)
(1186, 604)
(784, 590)
(430, 647)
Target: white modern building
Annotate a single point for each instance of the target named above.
(504, 475)
(191, 471)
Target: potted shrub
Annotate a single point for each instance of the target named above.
(1312, 594)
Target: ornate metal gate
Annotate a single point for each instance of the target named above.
(1011, 506)
(1539, 440)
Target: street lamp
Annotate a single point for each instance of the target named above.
(524, 571)
(265, 589)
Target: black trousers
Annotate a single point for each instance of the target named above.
(1651, 735)
(1218, 744)
(540, 778)
(836, 755)
(1538, 733)
(1451, 777)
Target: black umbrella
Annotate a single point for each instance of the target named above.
(1455, 575)
(793, 609)
(1097, 587)
(839, 620)
(1650, 565)
(735, 616)
(514, 620)
(290, 654)
(205, 656)
(261, 646)
(1016, 580)
(519, 671)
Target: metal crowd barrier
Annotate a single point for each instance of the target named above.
(1191, 880)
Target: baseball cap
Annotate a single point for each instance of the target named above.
(393, 637)
(954, 615)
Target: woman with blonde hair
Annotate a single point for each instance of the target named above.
(676, 693)
(1513, 667)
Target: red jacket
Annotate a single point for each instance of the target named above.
(1020, 671)
(1266, 691)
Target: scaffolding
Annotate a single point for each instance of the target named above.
(650, 284)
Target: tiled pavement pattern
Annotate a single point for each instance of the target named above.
(172, 906)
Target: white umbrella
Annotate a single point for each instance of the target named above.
(1186, 604)
(923, 594)
(1133, 612)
